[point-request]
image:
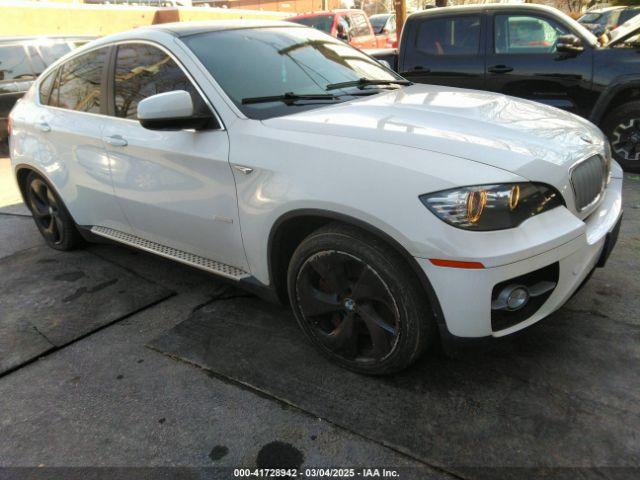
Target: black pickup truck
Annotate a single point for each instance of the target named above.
(533, 52)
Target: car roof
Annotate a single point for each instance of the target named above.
(482, 7)
(326, 12)
(183, 29)
(44, 38)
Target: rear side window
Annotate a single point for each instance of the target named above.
(142, 71)
(14, 63)
(360, 26)
(449, 36)
(79, 84)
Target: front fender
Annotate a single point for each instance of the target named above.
(619, 84)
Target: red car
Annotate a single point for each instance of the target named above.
(352, 26)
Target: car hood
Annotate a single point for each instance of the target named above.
(519, 136)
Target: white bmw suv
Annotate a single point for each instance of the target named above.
(388, 214)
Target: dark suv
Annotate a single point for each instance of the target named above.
(22, 59)
(533, 52)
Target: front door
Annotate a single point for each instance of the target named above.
(522, 61)
(176, 187)
(446, 50)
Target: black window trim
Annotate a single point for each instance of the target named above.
(107, 80)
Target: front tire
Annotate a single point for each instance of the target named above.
(622, 128)
(358, 302)
(51, 216)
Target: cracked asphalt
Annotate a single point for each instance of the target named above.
(100, 397)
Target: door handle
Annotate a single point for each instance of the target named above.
(115, 140)
(500, 69)
(421, 69)
(43, 126)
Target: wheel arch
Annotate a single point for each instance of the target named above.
(291, 228)
(22, 171)
(621, 91)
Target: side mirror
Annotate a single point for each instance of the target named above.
(569, 44)
(171, 111)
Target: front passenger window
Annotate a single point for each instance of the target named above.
(142, 71)
(518, 34)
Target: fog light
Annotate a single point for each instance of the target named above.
(518, 298)
(511, 297)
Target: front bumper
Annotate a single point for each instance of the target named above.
(465, 294)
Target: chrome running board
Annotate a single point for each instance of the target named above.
(172, 253)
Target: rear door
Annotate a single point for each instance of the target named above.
(67, 130)
(445, 50)
(361, 32)
(175, 187)
(522, 61)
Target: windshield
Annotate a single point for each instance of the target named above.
(378, 22)
(266, 62)
(319, 22)
(590, 17)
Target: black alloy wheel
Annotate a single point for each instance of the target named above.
(350, 308)
(625, 140)
(49, 213)
(622, 127)
(358, 301)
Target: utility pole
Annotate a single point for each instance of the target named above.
(401, 14)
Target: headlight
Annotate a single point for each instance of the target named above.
(492, 207)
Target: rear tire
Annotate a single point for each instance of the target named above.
(358, 302)
(622, 128)
(50, 214)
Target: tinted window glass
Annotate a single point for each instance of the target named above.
(526, 34)
(378, 22)
(46, 85)
(14, 63)
(279, 60)
(78, 87)
(449, 36)
(142, 71)
(51, 53)
(627, 15)
(321, 22)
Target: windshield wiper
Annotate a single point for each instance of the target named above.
(363, 82)
(289, 97)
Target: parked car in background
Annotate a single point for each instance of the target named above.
(22, 59)
(600, 19)
(351, 26)
(534, 52)
(384, 27)
(388, 214)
